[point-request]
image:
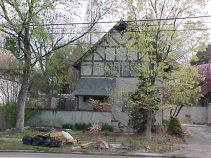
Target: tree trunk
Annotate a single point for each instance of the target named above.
(149, 124)
(180, 108)
(21, 101)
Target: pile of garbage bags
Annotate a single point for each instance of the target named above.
(53, 139)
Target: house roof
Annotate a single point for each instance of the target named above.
(120, 26)
(205, 56)
(7, 61)
(94, 86)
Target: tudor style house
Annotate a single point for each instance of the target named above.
(107, 66)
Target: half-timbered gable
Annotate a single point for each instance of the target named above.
(109, 57)
(107, 65)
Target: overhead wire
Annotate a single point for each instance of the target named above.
(63, 29)
(167, 30)
(85, 27)
(127, 21)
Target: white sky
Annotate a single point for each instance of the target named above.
(208, 9)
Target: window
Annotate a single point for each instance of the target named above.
(125, 69)
(86, 68)
(98, 69)
(108, 69)
(133, 68)
(116, 69)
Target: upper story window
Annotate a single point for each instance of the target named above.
(133, 68)
(86, 68)
(98, 69)
(125, 69)
(116, 69)
(108, 69)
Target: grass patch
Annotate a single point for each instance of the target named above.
(160, 143)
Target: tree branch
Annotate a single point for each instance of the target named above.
(179, 110)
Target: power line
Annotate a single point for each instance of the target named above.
(128, 21)
(167, 30)
(86, 27)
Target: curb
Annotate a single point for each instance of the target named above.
(83, 153)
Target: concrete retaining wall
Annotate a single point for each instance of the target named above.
(209, 114)
(198, 115)
(195, 115)
(57, 118)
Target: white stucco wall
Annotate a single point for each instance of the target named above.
(126, 84)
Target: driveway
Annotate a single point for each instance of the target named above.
(198, 141)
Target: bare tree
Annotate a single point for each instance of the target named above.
(26, 21)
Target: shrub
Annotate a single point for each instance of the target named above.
(107, 127)
(166, 123)
(174, 126)
(67, 126)
(82, 126)
(95, 128)
(10, 110)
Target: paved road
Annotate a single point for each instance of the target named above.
(47, 155)
(199, 141)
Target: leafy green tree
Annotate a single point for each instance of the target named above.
(12, 45)
(24, 21)
(59, 69)
(181, 86)
(162, 39)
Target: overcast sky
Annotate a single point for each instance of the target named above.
(208, 9)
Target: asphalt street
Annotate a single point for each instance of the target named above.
(50, 155)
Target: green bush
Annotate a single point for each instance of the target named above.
(67, 126)
(107, 127)
(82, 126)
(10, 110)
(174, 126)
(166, 123)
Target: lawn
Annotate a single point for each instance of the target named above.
(160, 143)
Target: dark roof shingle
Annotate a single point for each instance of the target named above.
(94, 86)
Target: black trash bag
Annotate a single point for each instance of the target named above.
(37, 140)
(46, 141)
(27, 140)
(55, 143)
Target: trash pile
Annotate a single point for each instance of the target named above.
(58, 138)
(52, 139)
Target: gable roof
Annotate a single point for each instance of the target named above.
(8, 62)
(120, 26)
